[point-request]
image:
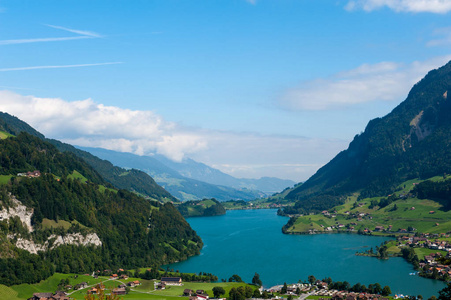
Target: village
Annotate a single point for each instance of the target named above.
(124, 285)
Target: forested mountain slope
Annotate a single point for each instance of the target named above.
(413, 141)
(100, 227)
(133, 180)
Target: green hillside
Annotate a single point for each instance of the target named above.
(407, 210)
(70, 197)
(203, 208)
(413, 141)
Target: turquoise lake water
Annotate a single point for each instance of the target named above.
(247, 241)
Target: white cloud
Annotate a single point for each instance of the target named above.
(415, 6)
(86, 123)
(39, 40)
(90, 124)
(80, 32)
(57, 67)
(386, 81)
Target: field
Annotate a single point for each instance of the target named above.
(423, 215)
(143, 292)
(4, 179)
(4, 135)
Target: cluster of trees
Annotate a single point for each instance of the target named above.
(375, 288)
(409, 254)
(244, 292)
(133, 230)
(440, 190)
(192, 209)
(154, 273)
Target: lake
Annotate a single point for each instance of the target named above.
(247, 241)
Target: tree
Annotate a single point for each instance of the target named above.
(218, 291)
(445, 293)
(386, 291)
(248, 291)
(235, 278)
(256, 280)
(284, 289)
(256, 294)
(311, 279)
(265, 295)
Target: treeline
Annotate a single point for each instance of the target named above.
(374, 288)
(154, 273)
(440, 190)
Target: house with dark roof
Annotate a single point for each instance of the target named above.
(171, 280)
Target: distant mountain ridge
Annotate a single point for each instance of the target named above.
(199, 171)
(184, 188)
(413, 141)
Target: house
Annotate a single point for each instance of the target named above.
(379, 228)
(93, 291)
(114, 276)
(41, 296)
(187, 292)
(200, 292)
(118, 291)
(123, 276)
(81, 285)
(161, 286)
(171, 280)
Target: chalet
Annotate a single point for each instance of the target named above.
(118, 291)
(161, 286)
(379, 228)
(93, 291)
(187, 292)
(114, 276)
(81, 285)
(171, 280)
(200, 292)
(123, 276)
(41, 296)
(122, 286)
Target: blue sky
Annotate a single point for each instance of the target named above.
(254, 88)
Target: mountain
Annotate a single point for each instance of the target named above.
(182, 187)
(133, 180)
(199, 171)
(57, 213)
(412, 141)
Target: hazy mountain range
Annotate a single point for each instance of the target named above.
(190, 180)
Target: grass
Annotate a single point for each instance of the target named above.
(4, 179)
(144, 292)
(422, 252)
(410, 212)
(7, 293)
(48, 224)
(4, 135)
(76, 175)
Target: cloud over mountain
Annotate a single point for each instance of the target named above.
(243, 154)
(385, 81)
